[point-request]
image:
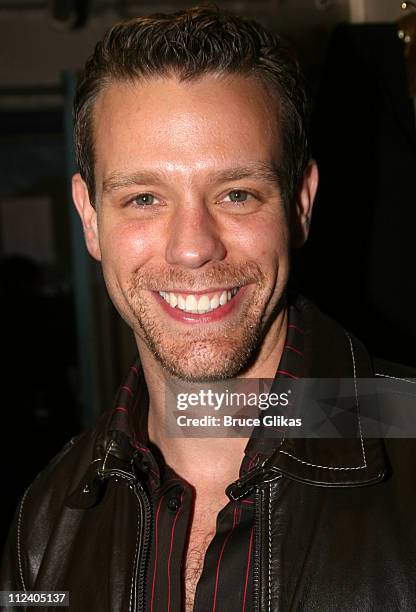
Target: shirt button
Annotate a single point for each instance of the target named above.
(174, 503)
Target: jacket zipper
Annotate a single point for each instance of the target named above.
(257, 548)
(142, 547)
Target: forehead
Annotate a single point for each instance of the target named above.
(190, 125)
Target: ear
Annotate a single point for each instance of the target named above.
(88, 215)
(302, 212)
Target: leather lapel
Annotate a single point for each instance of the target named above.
(330, 352)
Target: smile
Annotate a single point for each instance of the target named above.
(199, 303)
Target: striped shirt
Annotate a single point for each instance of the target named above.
(226, 581)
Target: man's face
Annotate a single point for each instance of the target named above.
(190, 226)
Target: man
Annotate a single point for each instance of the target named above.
(195, 181)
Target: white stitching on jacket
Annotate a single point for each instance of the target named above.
(126, 476)
(121, 475)
(19, 525)
(110, 446)
(413, 382)
(356, 400)
(328, 467)
(325, 467)
(272, 479)
(136, 561)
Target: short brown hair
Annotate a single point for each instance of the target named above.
(190, 44)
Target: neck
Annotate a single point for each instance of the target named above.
(205, 460)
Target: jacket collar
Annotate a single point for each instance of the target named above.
(328, 352)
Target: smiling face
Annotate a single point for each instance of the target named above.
(189, 224)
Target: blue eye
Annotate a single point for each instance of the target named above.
(144, 199)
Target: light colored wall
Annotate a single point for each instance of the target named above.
(375, 10)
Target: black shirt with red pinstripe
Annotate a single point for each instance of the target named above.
(226, 581)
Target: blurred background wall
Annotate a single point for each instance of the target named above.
(64, 348)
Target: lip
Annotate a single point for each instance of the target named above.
(208, 317)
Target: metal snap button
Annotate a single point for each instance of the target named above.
(174, 503)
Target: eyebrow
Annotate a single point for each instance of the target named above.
(263, 171)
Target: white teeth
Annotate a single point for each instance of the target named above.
(191, 304)
(199, 304)
(215, 302)
(204, 304)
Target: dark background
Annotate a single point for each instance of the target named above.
(64, 348)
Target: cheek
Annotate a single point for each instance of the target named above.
(127, 247)
(263, 239)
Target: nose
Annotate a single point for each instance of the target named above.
(194, 238)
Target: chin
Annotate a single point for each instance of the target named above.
(199, 360)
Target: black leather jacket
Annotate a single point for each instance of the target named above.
(335, 519)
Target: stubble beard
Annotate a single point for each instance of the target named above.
(200, 355)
